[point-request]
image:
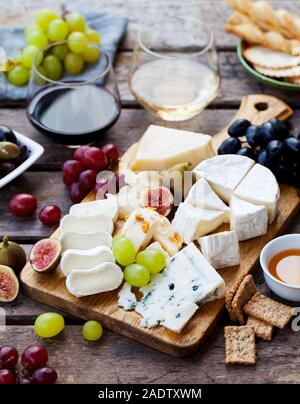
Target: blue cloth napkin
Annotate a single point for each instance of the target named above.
(110, 26)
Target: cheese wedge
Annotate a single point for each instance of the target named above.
(260, 187)
(247, 220)
(161, 148)
(202, 196)
(127, 299)
(221, 249)
(224, 173)
(167, 236)
(108, 207)
(192, 223)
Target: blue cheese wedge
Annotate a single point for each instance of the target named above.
(221, 249)
(247, 220)
(127, 299)
(188, 278)
(192, 223)
(140, 227)
(167, 236)
(178, 317)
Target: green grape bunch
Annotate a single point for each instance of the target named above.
(49, 28)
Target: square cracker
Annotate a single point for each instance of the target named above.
(266, 309)
(244, 293)
(240, 345)
(261, 329)
(230, 295)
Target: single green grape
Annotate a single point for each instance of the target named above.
(137, 275)
(18, 75)
(44, 16)
(30, 29)
(53, 67)
(76, 22)
(28, 55)
(74, 63)
(93, 36)
(60, 51)
(47, 325)
(92, 54)
(123, 250)
(39, 80)
(77, 45)
(92, 330)
(39, 39)
(57, 30)
(154, 261)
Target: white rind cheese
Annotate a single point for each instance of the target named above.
(85, 259)
(248, 220)
(188, 278)
(167, 236)
(161, 148)
(127, 299)
(140, 227)
(85, 241)
(224, 173)
(108, 207)
(157, 247)
(177, 317)
(103, 278)
(202, 196)
(88, 224)
(260, 187)
(221, 249)
(192, 223)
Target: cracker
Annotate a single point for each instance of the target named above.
(240, 346)
(231, 293)
(261, 329)
(244, 293)
(266, 309)
(279, 73)
(270, 59)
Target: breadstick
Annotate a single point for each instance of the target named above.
(251, 33)
(238, 18)
(243, 6)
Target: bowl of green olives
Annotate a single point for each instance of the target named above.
(17, 154)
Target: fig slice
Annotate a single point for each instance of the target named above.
(45, 255)
(160, 198)
(9, 284)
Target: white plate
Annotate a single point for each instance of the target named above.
(35, 149)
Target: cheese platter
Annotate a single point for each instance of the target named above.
(231, 215)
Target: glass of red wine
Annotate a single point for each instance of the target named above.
(73, 95)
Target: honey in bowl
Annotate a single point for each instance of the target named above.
(285, 266)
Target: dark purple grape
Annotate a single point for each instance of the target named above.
(281, 130)
(238, 128)
(247, 152)
(230, 146)
(44, 376)
(253, 136)
(264, 159)
(291, 149)
(267, 133)
(6, 168)
(274, 149)
(24, 154)
(6, 134)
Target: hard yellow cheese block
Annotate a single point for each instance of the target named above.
(161, 148)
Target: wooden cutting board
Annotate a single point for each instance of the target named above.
(50, 288)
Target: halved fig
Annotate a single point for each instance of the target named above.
(9, 284)
(161, 199)
(45, 255)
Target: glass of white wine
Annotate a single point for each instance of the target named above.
(174, 71)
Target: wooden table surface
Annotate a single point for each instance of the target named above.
(117, 359)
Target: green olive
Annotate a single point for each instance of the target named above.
(8, 151)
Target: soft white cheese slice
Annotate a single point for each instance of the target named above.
(178, 317)
(221, 249)
(192, 223)
(260, 187)
(87, 224)
(248, 220)
(224, 173)
(85, 259)
(85, 241)
(157, 247)
(127, 299)
(140, 227)
(161, 148)
(108, 207)
(167, 236)
(103, 278)
(202, 196)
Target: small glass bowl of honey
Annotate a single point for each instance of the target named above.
(280, 261)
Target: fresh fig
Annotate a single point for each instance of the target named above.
(12, 255)
(9, 284)
(45, 255)
(160, 198)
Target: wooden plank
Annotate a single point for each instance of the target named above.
(212, 12)
(120, 360)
